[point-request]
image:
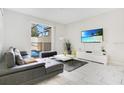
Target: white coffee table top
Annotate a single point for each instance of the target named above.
(62, 57)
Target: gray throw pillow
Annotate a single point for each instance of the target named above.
(10, 58)
(19, 59)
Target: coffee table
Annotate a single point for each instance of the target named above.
(63, 58)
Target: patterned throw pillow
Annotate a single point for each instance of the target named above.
(19, 59)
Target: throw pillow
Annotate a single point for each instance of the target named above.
(19, 59)
(30, 60)
(10, 58)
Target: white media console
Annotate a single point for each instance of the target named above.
(93, 57)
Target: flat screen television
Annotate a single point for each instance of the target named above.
(92, 36)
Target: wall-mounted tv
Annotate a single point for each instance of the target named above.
(92, 36)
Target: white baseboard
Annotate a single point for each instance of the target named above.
(117, 62)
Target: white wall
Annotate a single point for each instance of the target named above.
(18, 30)
(113, 26)
(1, 33)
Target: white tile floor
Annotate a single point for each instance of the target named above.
(89, 74)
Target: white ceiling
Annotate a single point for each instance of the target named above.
(62, 15)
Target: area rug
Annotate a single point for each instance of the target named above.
(73, 64)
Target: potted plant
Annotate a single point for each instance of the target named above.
(68, 47)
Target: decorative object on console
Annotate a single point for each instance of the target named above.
(88, 51)
(103, 51)
(103, 48)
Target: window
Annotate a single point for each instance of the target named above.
(39, 30)
(40, 39)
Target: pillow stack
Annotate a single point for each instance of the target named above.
(15, 57)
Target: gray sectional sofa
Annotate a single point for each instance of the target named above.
(29, 73)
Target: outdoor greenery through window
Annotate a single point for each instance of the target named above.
(39, 30)
(40, 39)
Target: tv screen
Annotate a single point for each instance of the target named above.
(92, 36)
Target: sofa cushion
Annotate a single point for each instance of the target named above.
(24, 53)
(26, 56)
(48, 54)
(10, 58)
